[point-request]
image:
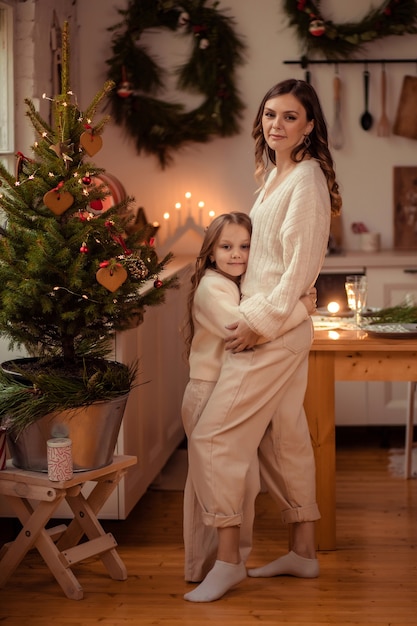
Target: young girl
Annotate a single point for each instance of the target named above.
(213, 304)
(258, 399)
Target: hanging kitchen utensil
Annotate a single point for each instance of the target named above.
(366, 118)
(336, 134)
(406, 121)
(384, 127)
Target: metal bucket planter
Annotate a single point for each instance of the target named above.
(92, 429)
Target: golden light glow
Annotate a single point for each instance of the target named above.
(166, 216)
(333, 334)
(333, 307)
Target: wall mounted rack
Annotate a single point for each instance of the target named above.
(305, 62)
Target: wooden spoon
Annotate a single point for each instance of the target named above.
(336, 131)
(384, 127)
(366, 118)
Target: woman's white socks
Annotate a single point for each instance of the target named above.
(218, 581)
(290, 564)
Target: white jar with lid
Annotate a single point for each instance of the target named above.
(59, 454)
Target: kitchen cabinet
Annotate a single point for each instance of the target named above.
(389, 287)
(392, 276)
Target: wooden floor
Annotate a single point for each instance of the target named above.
(370, 579)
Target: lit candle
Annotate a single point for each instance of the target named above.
(178, 209)
(166, 218)
(188, 196)
(200, 213)
(211, 215)
(333, 307)
(156, 227)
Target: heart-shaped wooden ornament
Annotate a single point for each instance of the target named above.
(91, 143)
(58, 201)
(111, 278)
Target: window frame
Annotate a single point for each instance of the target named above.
(7, 99)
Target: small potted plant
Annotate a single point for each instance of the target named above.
(71, 275)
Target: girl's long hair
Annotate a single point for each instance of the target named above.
(318, 148)
(203, 262)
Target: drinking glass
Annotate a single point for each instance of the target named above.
(356, 291)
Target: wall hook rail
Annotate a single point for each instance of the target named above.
(305, 62)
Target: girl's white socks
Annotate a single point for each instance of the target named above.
(220, 579)
(290, 564)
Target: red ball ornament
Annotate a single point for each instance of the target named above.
(86, 180)
(157, 284)
(84, 249)
(317, 28)
(125, 90)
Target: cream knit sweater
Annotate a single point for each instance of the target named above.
(288, 245)
(215, 305)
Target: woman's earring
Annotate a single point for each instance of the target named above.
(307, 141)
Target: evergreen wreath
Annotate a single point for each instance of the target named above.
(321, 36)
(159, 127)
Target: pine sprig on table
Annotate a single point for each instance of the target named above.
(399, 314)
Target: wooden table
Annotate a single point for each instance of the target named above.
(345, 355)
(35, 498)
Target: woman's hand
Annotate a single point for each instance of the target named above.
(242, 337)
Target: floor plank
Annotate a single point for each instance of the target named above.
(371, 579)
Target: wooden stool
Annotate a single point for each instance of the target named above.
(58, 546)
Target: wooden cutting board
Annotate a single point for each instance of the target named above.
(406, 121)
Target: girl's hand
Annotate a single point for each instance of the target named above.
(242, 338)
(310, 301)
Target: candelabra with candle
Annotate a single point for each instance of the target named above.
(188, 232)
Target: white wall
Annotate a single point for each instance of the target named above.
(221, 172)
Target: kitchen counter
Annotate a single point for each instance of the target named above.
(357, 260)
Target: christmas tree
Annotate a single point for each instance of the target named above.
(70, 274)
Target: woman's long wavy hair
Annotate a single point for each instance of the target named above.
(203, 262)
(318, 147)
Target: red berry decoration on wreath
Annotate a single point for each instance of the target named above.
(317, 28)
(125, 90)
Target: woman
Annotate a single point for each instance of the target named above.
(258, 399)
